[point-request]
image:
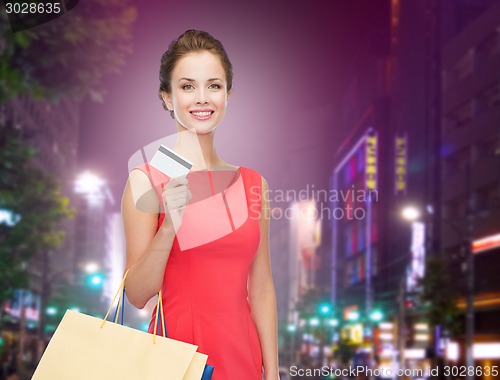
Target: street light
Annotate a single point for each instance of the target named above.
(314, 322)
(9, 218)
(410, 213)
(333, 322)
(89, 184)
(353, 316)
(95, 281)
(376, 316)
(415, 269)
(325, 309)
(91, 267)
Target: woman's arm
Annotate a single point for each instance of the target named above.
(147, 247)
(262, 296)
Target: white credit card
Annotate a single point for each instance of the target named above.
(170, 163)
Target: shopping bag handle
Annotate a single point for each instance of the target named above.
(120, 295)
(159, 309)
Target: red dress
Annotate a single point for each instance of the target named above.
(205, 281)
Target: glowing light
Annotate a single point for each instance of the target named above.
(88, 183)
(414, 353)
(421, 337)
(324, 308)
(386, 336)
(333, 322)
(9, 218)
(376, 316)
(484, 244)
(91, 267)
(314, 322)
(452, 351)
(422, 326)
(353, 315)
(486, 350)
(95, 280)
(410, 213)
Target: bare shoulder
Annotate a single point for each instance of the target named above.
(141, 192)
(265, 192)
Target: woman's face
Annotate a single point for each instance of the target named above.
(199, 92)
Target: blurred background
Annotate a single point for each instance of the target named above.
(375, 122)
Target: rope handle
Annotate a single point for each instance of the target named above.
(120, 295)
(159, 306)
(120, 301)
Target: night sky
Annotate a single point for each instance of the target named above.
(290, 62)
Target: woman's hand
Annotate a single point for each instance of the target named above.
(176, 196)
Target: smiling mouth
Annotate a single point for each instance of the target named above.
(201, 114)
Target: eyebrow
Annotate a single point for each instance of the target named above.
(193, 80)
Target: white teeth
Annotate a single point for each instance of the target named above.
(202, 114)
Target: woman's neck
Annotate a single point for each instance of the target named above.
(198, 148)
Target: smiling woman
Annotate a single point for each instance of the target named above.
(191, 42)
(199, 92)
(213, 268)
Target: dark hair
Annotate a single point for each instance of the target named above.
(188, 42)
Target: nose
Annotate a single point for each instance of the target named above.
(201, 96)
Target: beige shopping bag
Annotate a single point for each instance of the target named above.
(88, 348)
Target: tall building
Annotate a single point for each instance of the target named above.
(360, 186)
(400, 86)
(96, 229)
(470, 159)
